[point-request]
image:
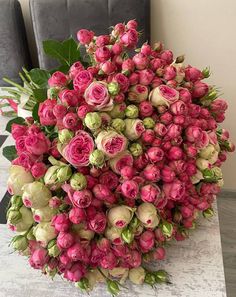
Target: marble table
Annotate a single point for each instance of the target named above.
(196, 264)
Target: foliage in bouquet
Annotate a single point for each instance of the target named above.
(119, 158)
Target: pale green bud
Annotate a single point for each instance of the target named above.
(13, 216)
(137, 275)
(16, 201)
(50, 176)
(83, 284)
(136, 149)
(44, 232)
(148, 123)
(131, 111)
(97, 158)
(208, 213)
(93, 120)
(26, 220)
(19, 243)
(161, 276)
(113, 287)
(65, 135)
(118, 124)
(64, 173)
(206, 72)
(150, 279)
(78, 181)
(53, 249)
(113, 88)
(167, 228)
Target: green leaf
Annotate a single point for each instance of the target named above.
(17, 120)
(35, 112)
(55, 50)
(62, 68)
(39, 77)
(40, 94)
(71, 50)
(9, 152)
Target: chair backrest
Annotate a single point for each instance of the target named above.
(62, 18)
(14, 51)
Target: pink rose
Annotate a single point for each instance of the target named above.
(83, 110)
(167, 174)
(77, 252)
(59, 111)
(175, 190)
(167, 56)
(119, 29)
(156, 64)
(146, 49)
(102, 54)
(218, 105)
(123, 81)
(97, 96)
(82, 199)
(109, 179)
(26, 160)
(160, 129)
(69, 97)
(117, 48)
(193, 133)
(120, 161)
(102, 40)
(77, 215)
(132, 24)
(149, 193)
(20, 144)
(147, 241)
(70, 121)
(101, 191)
(98, 223)
(75, 69)
(85, 36)
(141, 61)
(170, 72)
(37, 144)
(163, 96)
(127, 172)
(77, 151)
(38, 170)
(108, 67)
(61, 222)
(175, 153)
(200, 89)
(130, 38)
(45, 112)
(39, 258)
(130, 189)
(145, 109)
(82, 80)
(152, 173)
(58, 79)
(128, 65)
(193, 74)
(185, 95)
(166, 118)
(65, 240)
(174, 131)
(146, 76)
(155, 154)
(138, 93)
(109, 261)
(134, 78)
(18, 130)
(159, 253)
(178, 108)
(111, 143)
(75, 272)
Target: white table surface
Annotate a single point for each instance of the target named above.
(196, 264)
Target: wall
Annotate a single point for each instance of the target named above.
(205, 32)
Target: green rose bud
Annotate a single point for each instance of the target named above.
(118, 111)
(13, 216)
(97, 158)
(137, 275)
(212, 174)
(26, 220)
(161, 276)
(30, 234)
(65, 135)
(180, 59)
(208, 213)
(148, 123)
(78, 181)
(207, 152)
(136, 149)
(53, 93)
(150, 279)
(19, 243)
(118, 124)
(131, 111)
(44, 232)
(64, 173)
(206, 72)
(167, 228)
(127, 235)
(16, 201)
(83, 284)
(113, 287)
(113, 88)
(93, 120)
(53, 249)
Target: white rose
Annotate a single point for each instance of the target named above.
(147, 214)
(120, 216)
(202, 164)
(26, 221)
(44, 232)
(197, 177)
(163, 95)
(44, 214)
(137, 275)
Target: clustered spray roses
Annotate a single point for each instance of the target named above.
(130, 156)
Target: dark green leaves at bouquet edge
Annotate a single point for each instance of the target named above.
(39, 77)
(17, 120)
(35, 112)
(66, 52)
(9, 152)
(40, 94)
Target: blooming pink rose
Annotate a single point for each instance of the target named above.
(38, 170)
(175, 153)
(155, 154)
(83, 110)
(61, 222)
(128, 65)
(178, 108)
(102, 40)
(59, 111)
(65, 240)
(98, 223)
(109, 261)
(159, 253)
(185, 95)
(108, 67)
(167, 56)
(111, 143)
(101, 191)
(97, 96)
(193, 133)
(58, 79)
(138, 93)
(160, 129)
(174, 190)
(45, 112)
(123, 81)
(39, 258)
(146, 76)
(134, 78)
(37, 144)
(200, 89)
(20, 144)
(77, 215)
(77, 151)
(82, 80)
(130, 38)
(174, 131)
(141, 61)
(148, 136)
(70, 121)
(117, 48)
(69, 97)
(156, 64)
(193, 74)
(147, 240)
(85, 36)
(18, 130)
(82, 199)
(75, 272)
(110, 179)
(145, 109)
(102, 54)
(75, 69)
(151, 172)
(146, 49)
(167, 174)
(132, 24)
(130, 189)
(127, 172)
(149, 193)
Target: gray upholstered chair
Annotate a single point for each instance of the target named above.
(58, 19)
(14, 51)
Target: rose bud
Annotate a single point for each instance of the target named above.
(39, 258)
(19, 243)
(44, 232)
(77, 215)
(121, 160)
(118, 111)
(169, 73)
(151, 172)
(130, 189)
(148, 123)
(84, 36)
(141, 61)
(155, 154)
(147, 240)
(65, 240)
(78, 181)
(131, 111)
(163, 95)
(109, 261)
(113, 88)
(104, 244)
(149, 193)
(17, 179)
(175, 153)
(193, 74)
(44, 214)
(136, 149)
(202, 164)
(97, 158)
(138, 93)
(141, 161)
(147, 214)
(114, 235)
(134, 78)
(120, 216)
(167, 174)
(160, 129)
(101, 191)
(175, 190)
(159, 254)
(75, 272)
(36, 195)
(166, 118)
(110, 179)
(127, 172)
(58, 79)
(22, 219)
(148, 136)
(134, 128)
(146, 76)
(70, 121)
(128, 66)
(82, 199)
(118, 125)
(38, 170)
(93, 120)
(200, 89)
(98, 223)
(191, 151)
(111, 143)
(137, 275)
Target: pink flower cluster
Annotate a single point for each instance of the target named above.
(135, 159)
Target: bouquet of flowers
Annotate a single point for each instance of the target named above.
(122, 154)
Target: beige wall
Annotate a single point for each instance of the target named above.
(204, 30)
